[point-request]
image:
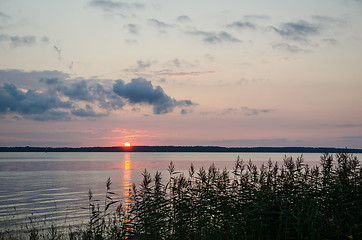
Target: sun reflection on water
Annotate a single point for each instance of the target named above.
(127, 184)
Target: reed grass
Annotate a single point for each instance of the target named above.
(291, 201)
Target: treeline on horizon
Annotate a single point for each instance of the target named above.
(183, 149)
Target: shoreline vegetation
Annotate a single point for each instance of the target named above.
(290, 201)
(182, 149)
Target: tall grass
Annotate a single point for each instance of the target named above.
(291, 201)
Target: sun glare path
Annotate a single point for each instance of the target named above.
(127, 144)
(127, 186)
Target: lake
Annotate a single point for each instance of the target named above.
(53, 187)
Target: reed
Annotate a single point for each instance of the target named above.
(291, 201)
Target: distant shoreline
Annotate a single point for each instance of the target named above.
(183, 149)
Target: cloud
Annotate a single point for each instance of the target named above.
(140, 66)
(170, 73)
(159, 24)
(91, 93)
(77, 91)
(50, 116)
(59, 52)
(326, 20)
(130, 41)
(185, 111)
(253, 112)
(288, 47)
(212, 37)
(332, 41)
(71, 65)
(45, 39)
(3, 15)
(228, 111)
(256, 17)
(178, 63)
(254, 142)
(241, 25)
(88, 112)
(17, 41)
(352, 137)
(56, 98)
(298, 31)
(132, 28)
(183, 18)
(345, 125)
(30, 79)
(110, 6)
(13, 100)
(141, 91)
(4, 37)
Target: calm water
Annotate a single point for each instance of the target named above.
(53, 187)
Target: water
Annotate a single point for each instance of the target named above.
(53, 187)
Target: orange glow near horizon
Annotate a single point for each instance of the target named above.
(127, 144)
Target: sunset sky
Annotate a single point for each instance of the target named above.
(227, 73)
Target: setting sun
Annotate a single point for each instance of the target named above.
(127, 144)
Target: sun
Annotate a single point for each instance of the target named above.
(127, 144)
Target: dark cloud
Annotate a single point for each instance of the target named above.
(91, 93)
(141, 91)
(105, 97)
(159, 24)
(297, 31)
(13, 100)
(183, 18)
(212, 37)
(56, 99)
(253, 112)
(77, 91)
(17, 41)
(50, 81)
(241, 25)
(59, 99)
(288, 47)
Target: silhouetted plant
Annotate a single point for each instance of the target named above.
(292, 201)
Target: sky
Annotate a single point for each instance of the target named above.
(227, 73)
